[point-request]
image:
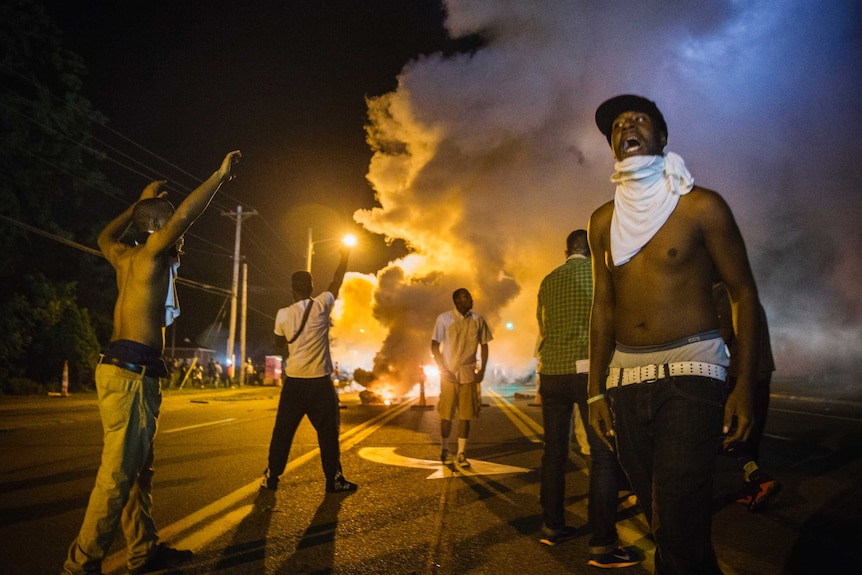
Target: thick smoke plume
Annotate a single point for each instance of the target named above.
(484, 162)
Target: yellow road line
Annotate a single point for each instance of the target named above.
(190, 533)
(531, 430)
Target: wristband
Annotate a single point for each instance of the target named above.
(595, 398)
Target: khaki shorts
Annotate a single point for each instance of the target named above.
(459, 399)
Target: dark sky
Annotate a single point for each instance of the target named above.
(484, 160)
(284, 82)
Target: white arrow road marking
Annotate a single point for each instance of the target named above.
(388, 456)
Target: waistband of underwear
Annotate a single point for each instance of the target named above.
(705, 336)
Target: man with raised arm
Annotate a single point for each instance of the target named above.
(302, 330)
(128, 372)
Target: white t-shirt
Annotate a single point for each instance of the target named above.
(309, 355)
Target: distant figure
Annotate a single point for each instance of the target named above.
(198, 376)
(458, 334)
(175, 373)
(219, 374)
(210, 372)
(655, 348)
(128, 372)
(758, 488)
(563, 313)
(302, 331)
(248, 370)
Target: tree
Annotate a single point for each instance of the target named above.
(47, 167)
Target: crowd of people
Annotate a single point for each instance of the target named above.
(651, 330)
(191, 373)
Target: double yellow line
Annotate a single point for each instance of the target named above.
(531, 430)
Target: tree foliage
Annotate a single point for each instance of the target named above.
(47, 168)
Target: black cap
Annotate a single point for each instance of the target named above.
(611, 109)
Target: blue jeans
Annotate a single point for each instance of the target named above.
(129, 405)
(668, 433)
(317, 399)
(560, 393)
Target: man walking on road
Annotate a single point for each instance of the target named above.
(563, 313)
(128, 372)
(458, 334)
(302, 331)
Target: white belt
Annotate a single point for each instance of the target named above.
(619, 376)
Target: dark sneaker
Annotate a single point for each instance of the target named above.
(462, 461)
(617, 558)
(340, 485)
(163, 557)
(268, 482)
(446, 457)
(745, 494)
(761, 492)
(555, 536)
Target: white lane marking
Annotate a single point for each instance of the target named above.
(387, 456)
(199, 425)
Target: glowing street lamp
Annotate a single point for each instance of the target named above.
(348, 240)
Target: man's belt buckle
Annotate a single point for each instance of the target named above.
(648, 373)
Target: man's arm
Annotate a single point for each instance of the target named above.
(338, 278)
(540, 314)
(109, 239)
(441, 361)
(279, 342)
(483, 364)
(192, 207)
(727, 250)
(601, 327)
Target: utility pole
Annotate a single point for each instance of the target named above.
(231, 340)
(242, 322)
(309, 253)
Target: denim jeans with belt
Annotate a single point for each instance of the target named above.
(668, 433)
(129, 405)
(560, 393)
(316, 398)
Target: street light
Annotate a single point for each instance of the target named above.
(348, 240)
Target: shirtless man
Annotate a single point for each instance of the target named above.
(657, 361)
(128, 372)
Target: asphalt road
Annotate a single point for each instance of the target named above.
(410, 515)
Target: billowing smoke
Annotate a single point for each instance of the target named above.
(484, 162)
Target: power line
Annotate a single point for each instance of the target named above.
(95, 252)
(105, 154)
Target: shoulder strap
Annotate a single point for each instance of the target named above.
(304, 319)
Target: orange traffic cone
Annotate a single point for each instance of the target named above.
(422, 404)
(65, 391)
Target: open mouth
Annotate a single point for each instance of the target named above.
(631, 145)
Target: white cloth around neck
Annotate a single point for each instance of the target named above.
(648, 190)
(172, 301)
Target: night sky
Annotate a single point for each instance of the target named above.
(482, 153)
(182, 83)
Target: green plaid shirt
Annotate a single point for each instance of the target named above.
(563, 312)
